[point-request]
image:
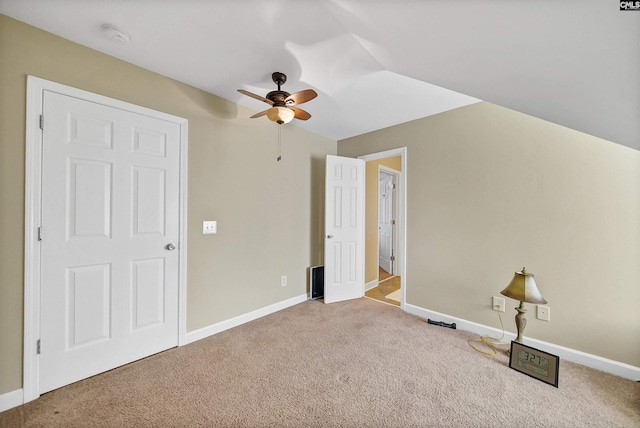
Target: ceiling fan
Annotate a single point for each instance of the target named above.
(282, 103)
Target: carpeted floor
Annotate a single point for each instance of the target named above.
(351, 364)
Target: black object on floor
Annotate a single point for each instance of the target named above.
(316, 280)
(442, 324)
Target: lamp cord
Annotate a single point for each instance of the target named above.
(490, 342)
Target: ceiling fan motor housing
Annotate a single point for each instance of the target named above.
(278, 98)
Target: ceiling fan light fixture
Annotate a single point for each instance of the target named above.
(281, 102)
(280, 115)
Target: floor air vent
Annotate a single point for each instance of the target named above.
(316, 280)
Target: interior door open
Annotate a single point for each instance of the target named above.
(344, 229)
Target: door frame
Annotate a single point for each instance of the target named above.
(394, 209)
(33, 213)
(402, 214)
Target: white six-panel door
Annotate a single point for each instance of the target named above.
(110, 229)
(344, 229)
(385, 222)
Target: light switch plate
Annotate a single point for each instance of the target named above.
(209, 227)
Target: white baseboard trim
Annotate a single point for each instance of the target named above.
(369, 285)
(589, 360)
(193, 336)
(11, 399)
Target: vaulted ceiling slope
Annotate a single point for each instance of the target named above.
(376, 63)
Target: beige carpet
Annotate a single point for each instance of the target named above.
(352, 364)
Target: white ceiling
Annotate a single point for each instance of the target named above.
(376, 63)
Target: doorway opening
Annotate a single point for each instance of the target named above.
(385, 226)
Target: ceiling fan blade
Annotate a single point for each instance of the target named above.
(300, 114)
(257, 97)
(262, 113)
(300, 97)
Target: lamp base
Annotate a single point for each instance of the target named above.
(521, 321)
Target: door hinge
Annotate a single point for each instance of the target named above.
(42, 122)
(39, 234)
(393, 185)
(38, 347)
(392, 258)
(393, 222)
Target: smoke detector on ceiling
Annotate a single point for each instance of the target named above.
(115, 34)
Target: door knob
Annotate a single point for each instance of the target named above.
(329, 236)
(170, 247)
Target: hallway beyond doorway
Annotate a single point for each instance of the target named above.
(387, 289)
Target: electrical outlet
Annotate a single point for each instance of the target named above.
(283, 281)
(543, 313)
(498, 304)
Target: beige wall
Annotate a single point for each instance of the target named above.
(268, 212)
(491, 190)
(371, 213)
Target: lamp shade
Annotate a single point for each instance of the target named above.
(280, 115)
(523, 288)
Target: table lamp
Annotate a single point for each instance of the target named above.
(523, 288)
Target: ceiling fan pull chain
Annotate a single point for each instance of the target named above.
(279, 142)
